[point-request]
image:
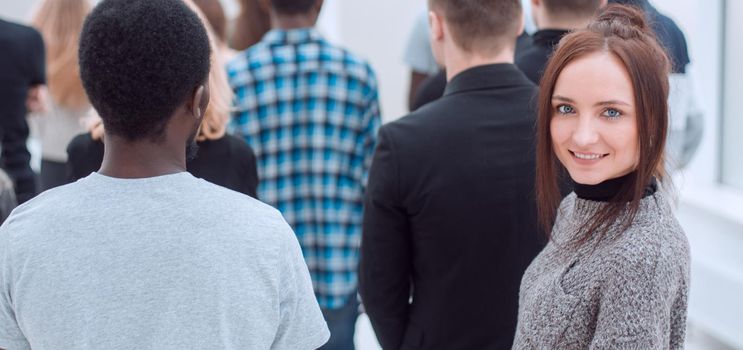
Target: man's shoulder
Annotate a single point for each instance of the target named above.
(47, 204)
(358, 67)
(456, 111)
(348, 56)
(244, 59)
(416, 124)
(191, 198)
(236, 202)
(241, 214)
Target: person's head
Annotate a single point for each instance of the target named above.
(251, 24)
(294, 13)
(603, 112)
(483, 28)
(215, 18)
(564, 14)
(144, 65)
(59, 22)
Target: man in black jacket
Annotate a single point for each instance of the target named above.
(554, 18)
(449, 217)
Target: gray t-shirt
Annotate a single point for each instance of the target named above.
(169, 262)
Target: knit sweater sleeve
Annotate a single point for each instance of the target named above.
(638, 299)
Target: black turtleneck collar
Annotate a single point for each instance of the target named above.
(607, 190)
(549, 37)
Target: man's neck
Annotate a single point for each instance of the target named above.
(458, 61)
(286, 22)
(140, 159)
(563, 24)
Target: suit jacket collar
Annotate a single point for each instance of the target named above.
(485, 77)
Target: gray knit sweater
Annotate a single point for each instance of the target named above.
(626, 291)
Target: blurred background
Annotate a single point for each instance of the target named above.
(710, 188)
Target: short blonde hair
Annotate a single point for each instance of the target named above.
(217, 113)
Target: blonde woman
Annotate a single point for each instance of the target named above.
(60, 22)
(222, 159)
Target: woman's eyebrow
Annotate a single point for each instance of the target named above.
(562, 98)
(602, 103)
(611, 102)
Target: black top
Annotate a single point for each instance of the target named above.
(21, 67)
(607, 190)
(433, 87)
(228, 162)
(450, 215)
(533, 60)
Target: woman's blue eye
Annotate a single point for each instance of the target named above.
(612, 113)
(565, 109)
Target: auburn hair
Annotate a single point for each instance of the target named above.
(621, 31)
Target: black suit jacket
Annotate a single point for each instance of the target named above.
(449, 217)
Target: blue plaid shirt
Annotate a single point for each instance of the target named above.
(310, 112)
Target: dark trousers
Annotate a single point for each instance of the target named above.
(342, 325)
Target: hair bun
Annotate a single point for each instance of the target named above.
(621, 20)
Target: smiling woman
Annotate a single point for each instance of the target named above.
(594, 123)
(616, 270)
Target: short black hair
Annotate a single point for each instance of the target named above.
(293, 7)
(140, 60)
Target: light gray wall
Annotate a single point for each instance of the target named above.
(378, 31)
(15, 10)
(732, 142)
